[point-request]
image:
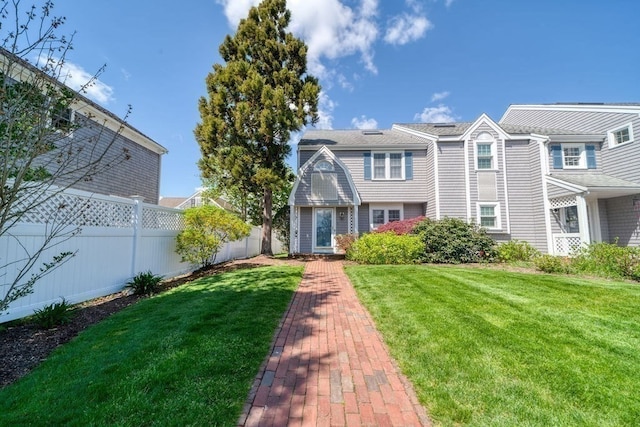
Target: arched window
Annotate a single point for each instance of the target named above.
(485, 151)
(324, 166)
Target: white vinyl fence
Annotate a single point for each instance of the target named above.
(118, 238)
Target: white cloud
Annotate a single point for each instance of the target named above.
(77, 78)
(439, 114)
(406, 28)
(325, 111)
(448, 3)
(126, 74)
(439, 96)
(364, 123)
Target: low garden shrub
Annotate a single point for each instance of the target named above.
(145, 283)
(516, 250)
(608, 260)
(386, 248)
(552, 264)
(454, 241)
(345, 241)
(54, 314)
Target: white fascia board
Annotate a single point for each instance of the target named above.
(567, 186)
(484, 119)
(373, 147)
(629, 109)
(577, 138)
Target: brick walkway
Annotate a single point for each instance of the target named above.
(328, 365)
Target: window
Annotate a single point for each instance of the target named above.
(388, 166)
(572, 155)
(621, 135)
(62, 119)
(485, 151)
(489, 215)
(382, 214)
(323, 166)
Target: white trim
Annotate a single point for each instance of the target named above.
(484, 119)
(628, 109)
(496, 212)
(436, 174)
(544, 175)
(582, 155)
(387, 165)
(467, 178)
(583, 220)
(594, 220)
(612, 140)
(494, 152)
(386, 207)
(413, 132)
(292, 230)
(506, 186)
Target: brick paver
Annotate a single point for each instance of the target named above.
(328, 365)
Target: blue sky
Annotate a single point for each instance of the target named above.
(379, 62)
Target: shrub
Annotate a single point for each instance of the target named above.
(54, 314)
(516, 250)
(207, 228)
(454, 241)
(144, 283)
(400, 227)
(386, 248)
(608, 260)
(552, 264)
(345, 241)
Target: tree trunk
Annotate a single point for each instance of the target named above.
(267, 222)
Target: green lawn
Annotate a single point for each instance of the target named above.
(185, 357)
(488, 347)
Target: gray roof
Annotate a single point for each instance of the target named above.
(454, 129)
(597, 180)
(356, 137)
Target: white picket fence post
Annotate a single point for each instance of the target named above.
(137, 232)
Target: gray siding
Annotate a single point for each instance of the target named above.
(392, 190)
(581, 121)
(126, 168)
(363, 218)
(452, 179)
(306, 230)
(554, 191)
(624, 161)
(342, 223)
(304, 196)
(604, 220)
(624, 223)
(526, 202)
(431, 182)
(413, 210)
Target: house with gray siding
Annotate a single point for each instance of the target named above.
(125, 162)
(557, 176)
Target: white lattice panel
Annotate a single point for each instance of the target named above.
(562, 202)
(566, 244)
(158, 218)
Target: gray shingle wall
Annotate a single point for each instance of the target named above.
(304, 195)
(452, 179)
(306, 230)
(526, 202)
(624, 223)
(413, 210)
(583, 121)
(363, 218)
(604, 220)
(342, 223)
(623, 161)
(139, 175)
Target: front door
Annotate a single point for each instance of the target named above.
(324, 226)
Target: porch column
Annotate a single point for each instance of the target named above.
(355, 219)
(583, 220)
(293, 228)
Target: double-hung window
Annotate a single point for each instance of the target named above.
(485, 151)
(573, 156)
(388, 166)
(489, 215)
(384, 213)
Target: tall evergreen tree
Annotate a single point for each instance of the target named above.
(255, 100)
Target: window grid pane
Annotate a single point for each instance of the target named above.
(395, 163)
(572, 156)
(378, 217)
(379, 165)
(394, 215)
(622, 136)
(487, 216)
(485, 156)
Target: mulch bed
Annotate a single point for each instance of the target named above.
(24, 345)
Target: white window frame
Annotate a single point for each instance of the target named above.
(387, 166)
(496, 212)
(582, 160)
(386, 208)
(324, 166)
(612, 137)
(485, 138)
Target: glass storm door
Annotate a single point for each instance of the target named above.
(324, 228)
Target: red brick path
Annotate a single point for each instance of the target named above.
(328, 365)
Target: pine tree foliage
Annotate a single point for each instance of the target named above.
(256, 99)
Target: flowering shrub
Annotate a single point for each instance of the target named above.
(386, 248)
(400, 227)
(345, 241)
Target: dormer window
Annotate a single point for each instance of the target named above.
(621, 135)
(324, 166)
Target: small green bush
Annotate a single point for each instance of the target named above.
(144, 283)
(454, 241)
(516, 250)
(608, 260)
(54, 314)
(386, 248)
(552, 264)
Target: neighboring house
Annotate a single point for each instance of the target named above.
(557, 176)
(137, 175)
(196, 199)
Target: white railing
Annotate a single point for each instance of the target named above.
(118, 238)
(566, 244)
